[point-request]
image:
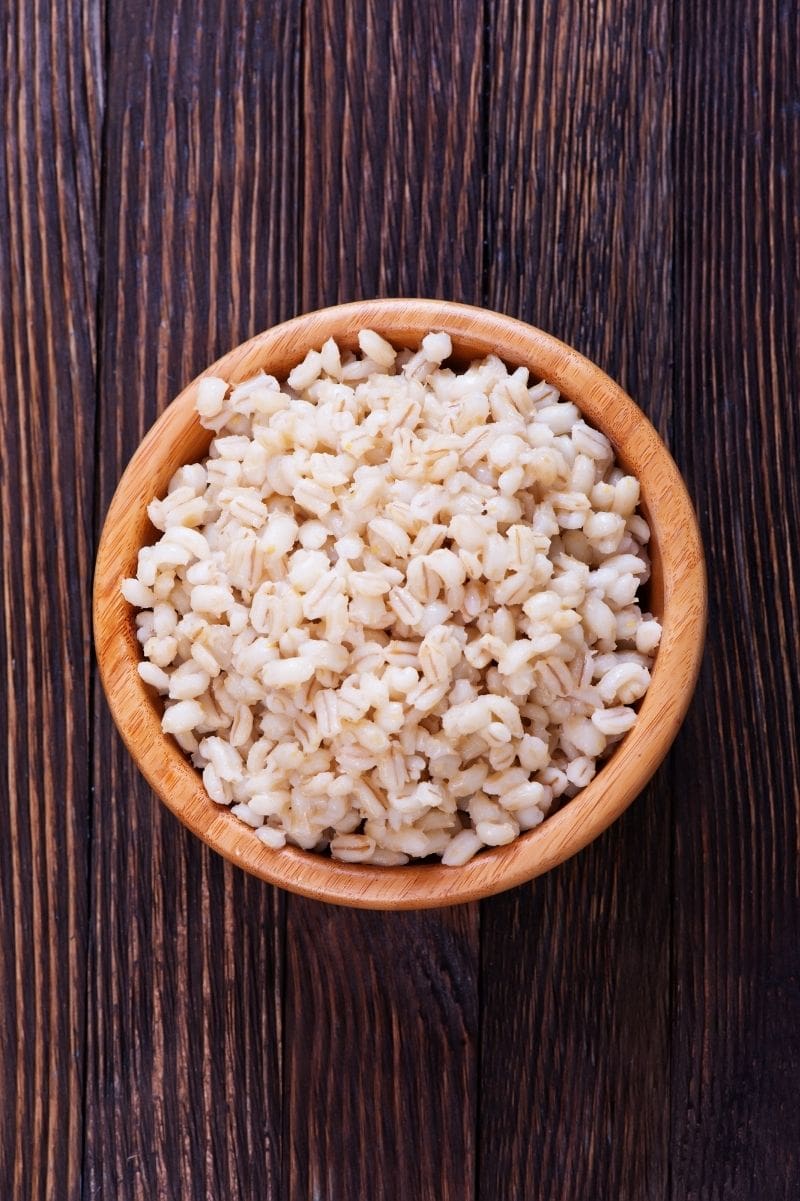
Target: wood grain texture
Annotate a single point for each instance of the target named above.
(393, 127)
(175, 176)
(575, 980)
(381, 1071)
(736, 1033)
(392, 205)
(199, 245)
(51, 105)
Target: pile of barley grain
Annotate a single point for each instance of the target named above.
(394, 612)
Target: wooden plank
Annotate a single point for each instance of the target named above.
(393, 114)
(184, 1084)
(380, 1059)
(736, 1040)
(51, 107)
(381, 1010)
(575, 967)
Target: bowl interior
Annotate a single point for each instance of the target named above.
(676, 596)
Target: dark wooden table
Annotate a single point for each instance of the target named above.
(180, 174)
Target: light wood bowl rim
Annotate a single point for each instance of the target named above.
(674, 531)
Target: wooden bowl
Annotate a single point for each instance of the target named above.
(677, 597)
